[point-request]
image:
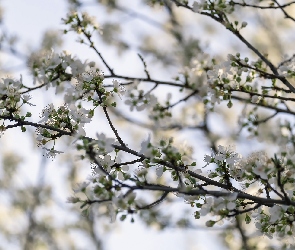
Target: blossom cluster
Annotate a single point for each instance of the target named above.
(212, 6)
(66, 119)
(51, 68)
(137, 99)
(196, 73)
(287, 68)
(89, 87)
(80, 23)
(11, 96)
(109, 173)
(225, 154)
(221, 206)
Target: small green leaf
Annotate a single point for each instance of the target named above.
(197, 215)
(210, 223)
(247, 219)
(123, 217)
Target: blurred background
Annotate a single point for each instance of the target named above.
(34, 189)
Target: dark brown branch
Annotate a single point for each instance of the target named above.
(93, 47)
(140, 79)
(144, 65)
(283, 10)
(157, 202)
(127, 163)
(261, 7)
(279, 110)
(112, 126)
(20, 122)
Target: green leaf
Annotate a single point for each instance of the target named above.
(197, 215)
(210, 223)
(247, 219)
(123, 217)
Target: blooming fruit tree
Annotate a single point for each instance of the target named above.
(254, 193)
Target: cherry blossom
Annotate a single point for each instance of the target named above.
(105, 144)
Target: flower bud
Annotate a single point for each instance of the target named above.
(244, 24)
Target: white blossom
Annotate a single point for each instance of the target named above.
(146, 147)
(105, 144)
(81, 187)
